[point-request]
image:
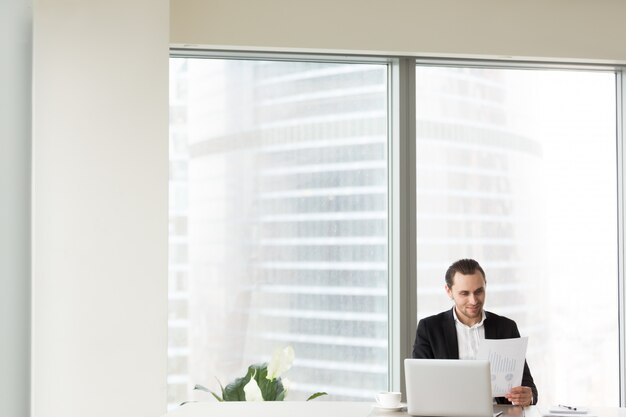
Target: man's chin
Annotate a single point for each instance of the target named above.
(474, 313)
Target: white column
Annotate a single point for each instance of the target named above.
(15, 70)
(100, 173)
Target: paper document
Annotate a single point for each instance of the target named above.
(506, 357)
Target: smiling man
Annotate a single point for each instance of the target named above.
(456, 333)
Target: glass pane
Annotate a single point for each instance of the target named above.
(517, 169)
(278, 224)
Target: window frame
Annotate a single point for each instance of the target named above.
(401, 177)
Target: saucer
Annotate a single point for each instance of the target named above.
(396, 408)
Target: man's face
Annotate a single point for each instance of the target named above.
(468, 293)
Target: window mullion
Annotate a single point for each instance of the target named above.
(402, 219)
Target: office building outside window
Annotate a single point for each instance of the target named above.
(278, 224)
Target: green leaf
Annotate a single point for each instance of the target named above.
(269, 388)
(281, 396)
(205, 389)
(217, 397)
(221, 388)
(260, 369)
(234, 390)
(317, 394)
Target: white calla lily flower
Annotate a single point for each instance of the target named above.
(280, 363)
(252, 390)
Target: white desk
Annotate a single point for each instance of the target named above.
(335, 409)
(313, 409)
(273, 409)
(604, 411)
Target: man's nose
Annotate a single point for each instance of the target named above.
(472, 299)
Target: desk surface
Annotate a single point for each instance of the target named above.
(274, 409)
(310, 409)
(605, 411)
(336, 409)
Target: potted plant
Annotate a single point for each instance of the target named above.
(262, 382)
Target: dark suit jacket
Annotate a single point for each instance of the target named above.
(436, 339)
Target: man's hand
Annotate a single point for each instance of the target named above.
(520, 396)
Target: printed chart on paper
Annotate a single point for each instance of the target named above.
(506, 357)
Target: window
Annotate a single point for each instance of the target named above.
(517, 169)
(280, 210)
(278, 223)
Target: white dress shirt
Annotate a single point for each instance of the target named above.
(469, 336)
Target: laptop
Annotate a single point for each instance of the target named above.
(448, 388)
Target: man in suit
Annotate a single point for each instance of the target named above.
(456, 333)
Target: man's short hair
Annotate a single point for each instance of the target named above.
(464, 267)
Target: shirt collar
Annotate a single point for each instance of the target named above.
(480, 323)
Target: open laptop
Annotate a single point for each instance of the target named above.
(448, 388)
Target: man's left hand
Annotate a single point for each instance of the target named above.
(520, 396)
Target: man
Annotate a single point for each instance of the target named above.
(456, 333)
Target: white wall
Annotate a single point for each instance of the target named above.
(554, 29)
(15, 71)
(99, 219)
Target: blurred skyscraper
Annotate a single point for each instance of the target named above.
(286, 239)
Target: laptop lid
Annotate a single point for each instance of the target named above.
(448, 388)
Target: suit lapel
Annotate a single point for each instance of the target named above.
(490, 329)
(452, 342)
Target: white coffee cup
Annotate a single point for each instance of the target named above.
(388, 399)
